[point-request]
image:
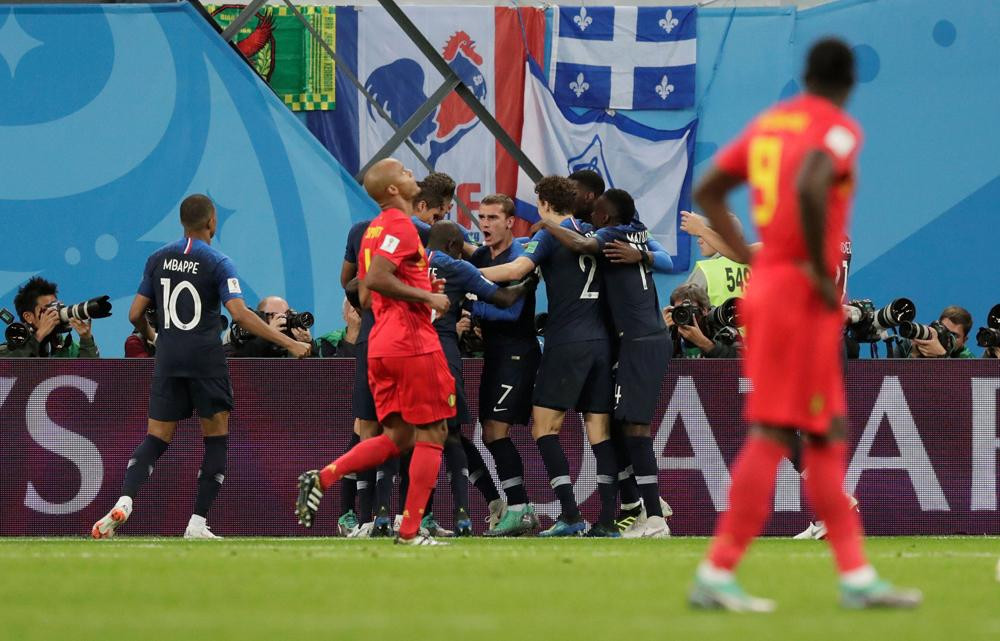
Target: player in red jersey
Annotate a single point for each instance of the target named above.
(799, 159)
(413, 389)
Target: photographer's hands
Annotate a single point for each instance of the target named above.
(694, 335)
(83, 328)
(930, 348)
(48, 319)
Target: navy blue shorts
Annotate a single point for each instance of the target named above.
(175, 398)
(362, 401)
(576, 376)
(642, 364)
(507, 383)
(454, 357)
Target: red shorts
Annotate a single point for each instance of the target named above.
(419, 388)
(794, 352)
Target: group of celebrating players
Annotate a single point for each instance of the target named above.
(595, 257)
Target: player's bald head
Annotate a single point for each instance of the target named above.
(446, 236)
(381, 176)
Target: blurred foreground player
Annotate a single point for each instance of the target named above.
(407, 371)
(799, 159)
(188, 280)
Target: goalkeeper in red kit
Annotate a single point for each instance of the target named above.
(799, 159)
(413, 388)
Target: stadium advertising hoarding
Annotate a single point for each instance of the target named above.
(923, 458)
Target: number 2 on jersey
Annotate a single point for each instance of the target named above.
(586, 294)
(170, 305)
(764, 167)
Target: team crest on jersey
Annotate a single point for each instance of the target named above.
(452, 119)
(451, 400)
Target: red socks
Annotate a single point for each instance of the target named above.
(750, 498)
(825, 489)
(365, 455)
(424, 468)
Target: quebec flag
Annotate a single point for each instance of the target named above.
(653, 165)
(624, 57)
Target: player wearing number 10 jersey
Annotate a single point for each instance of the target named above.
(186, 282)
(799, 158)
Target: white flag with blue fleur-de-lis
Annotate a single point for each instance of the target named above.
(654, 165)
(624, 57)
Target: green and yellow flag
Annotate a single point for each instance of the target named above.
(285, 54)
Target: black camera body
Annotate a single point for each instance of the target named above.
(685, 314)
(240, 336)
(868, 325)
(917, 331)
(989, 336)
(723, 321)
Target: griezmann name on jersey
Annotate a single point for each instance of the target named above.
(190, 281)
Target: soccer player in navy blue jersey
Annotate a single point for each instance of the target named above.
(644, 348)
(187, 281)
(461, 279)
(510, 362)
(575, 371)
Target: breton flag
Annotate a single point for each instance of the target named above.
(653, 165)
(624, 57)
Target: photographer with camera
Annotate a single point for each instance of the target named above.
(274, 311)
(989, 336)
(45, 330)
(944, 338)
(688, 320)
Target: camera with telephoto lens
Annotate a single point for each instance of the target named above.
(685, 313)
(916, 331)
(723, 321)
(868, 325)
(18, 334)
(989, 336)
(239, 335)
(99, 307)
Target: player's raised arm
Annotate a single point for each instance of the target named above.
(250, 321)
(381, 278)
(711, 197)
(813, 185)
(514, 270)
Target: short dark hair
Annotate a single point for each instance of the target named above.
(436, 188)
(196, 211)
(958, 315)
(505, 202)
(589, 179)
(29, 293)
(557, 191)
(624, 205)
(692, 292)
(830, 65)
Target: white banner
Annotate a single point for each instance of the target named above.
(651, 164)
(395, 72)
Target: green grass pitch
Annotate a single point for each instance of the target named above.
(275, 589)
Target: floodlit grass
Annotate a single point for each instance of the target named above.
(143, 588)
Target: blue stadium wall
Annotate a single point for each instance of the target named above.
(928, 200)
(112, 114)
